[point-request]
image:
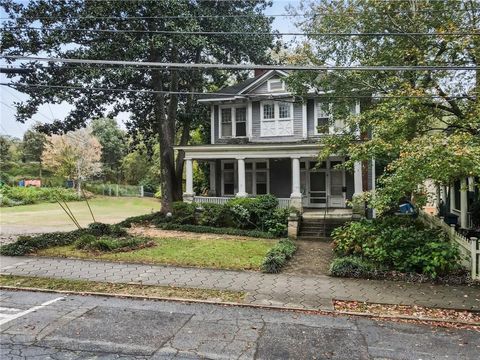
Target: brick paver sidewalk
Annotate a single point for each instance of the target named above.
(287, 290)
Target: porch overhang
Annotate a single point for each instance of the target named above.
(250, 151)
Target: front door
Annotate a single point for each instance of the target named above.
(317, 193)
(326, 185)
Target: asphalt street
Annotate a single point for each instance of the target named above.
(52, 326)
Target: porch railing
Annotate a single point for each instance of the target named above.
(469, 247)
(283, 203)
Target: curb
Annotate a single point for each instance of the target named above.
(257, 306)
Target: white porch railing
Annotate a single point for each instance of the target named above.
(469, 248)
(283, 203)
(211, 199)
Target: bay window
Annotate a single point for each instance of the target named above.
(233, 121)
(276, 118)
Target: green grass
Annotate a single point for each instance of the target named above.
(244, 254)
(120, 289)
(49, 217)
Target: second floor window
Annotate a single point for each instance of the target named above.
(277, 118)
(233, 122)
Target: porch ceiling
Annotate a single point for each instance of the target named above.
(251, 151)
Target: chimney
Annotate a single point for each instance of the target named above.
(260, 72)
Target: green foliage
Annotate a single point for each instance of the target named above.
(351, 266)
(183, 213)
(141, 219)
(278, 256)
(416, 136)
(16, 195)
(277, 224)
(398, 243)
(110, 244)
(214, 215)
(215, 230)
(100, 229)
(29, 244)
(254, 212)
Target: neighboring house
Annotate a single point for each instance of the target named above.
(263, 141)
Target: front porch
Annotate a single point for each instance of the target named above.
(288, 171)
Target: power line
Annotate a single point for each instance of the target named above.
(246, 96)
(247, 66)
(252, 33)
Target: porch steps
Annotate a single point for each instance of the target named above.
(320, 228)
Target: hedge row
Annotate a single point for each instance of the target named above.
(215, 230)
(278, 256)
(29, 244)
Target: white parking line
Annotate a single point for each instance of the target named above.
(11, 317)
(9, 309)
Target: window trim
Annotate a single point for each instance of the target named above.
(235, 184)
(254, 171)
(233, 108)
(276, 118)
(269, 86)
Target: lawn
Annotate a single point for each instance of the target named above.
(231, 253)
(48, 217)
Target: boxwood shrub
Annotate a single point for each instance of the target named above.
(278, 256)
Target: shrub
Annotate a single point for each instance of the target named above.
(399, 244)
(351, 266)
(278, 256)
(277, 224)
(215, 230)
(141, 219)
(109, 244)
(213, 215)
(100, 229)
(16, 195)
(183, 213)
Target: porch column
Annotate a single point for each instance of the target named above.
(296, 196)
(241, 178)
(463, 203)
(188, 195)
(357, 177)
(213, 186)
(451, 192)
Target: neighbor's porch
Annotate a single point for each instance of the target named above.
(290, 172)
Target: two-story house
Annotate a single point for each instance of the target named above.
(265, 141)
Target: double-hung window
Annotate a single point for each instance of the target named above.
(233, 121)
(256, 177)
(228, 178)
(322, 117)
(277, 118)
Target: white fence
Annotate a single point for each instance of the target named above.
(469, 248)
(283, 203)
(115, 189)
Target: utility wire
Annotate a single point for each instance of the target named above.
(247, 66)
(246, 96)
(252, 33)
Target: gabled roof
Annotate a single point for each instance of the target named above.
(240, 89)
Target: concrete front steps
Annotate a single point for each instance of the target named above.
(318, 226)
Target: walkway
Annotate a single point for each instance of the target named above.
(287, 290)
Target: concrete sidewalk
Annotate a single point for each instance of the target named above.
(286, 290)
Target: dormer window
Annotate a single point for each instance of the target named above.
(275, 85)
(233, 121)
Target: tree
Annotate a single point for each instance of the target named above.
(74, 156)
(32, 147)
(424, 124)
(114, 147)
(130, 32)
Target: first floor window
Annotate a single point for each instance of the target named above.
(228, 178)
(256, 177)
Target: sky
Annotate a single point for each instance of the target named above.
(48, 112)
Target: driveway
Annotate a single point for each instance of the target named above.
(86, 327)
